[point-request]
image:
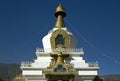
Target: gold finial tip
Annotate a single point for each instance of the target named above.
(60, 11)
(60, 14)
(60, 4)
(60, 8)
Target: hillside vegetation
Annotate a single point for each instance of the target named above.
(112, 77)
(9, 71)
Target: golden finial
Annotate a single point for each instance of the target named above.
(60, 14)
(60, 58)
(60, 9)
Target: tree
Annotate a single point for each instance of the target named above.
(1, 79)
(97, 78)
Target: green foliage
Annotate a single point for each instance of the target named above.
(113, 79)
(1, 79)
(9, 71)
(97, 78)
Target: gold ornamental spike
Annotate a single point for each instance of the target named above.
(60, 8)
(60, 14)
(60, 58)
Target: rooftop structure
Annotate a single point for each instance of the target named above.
(59, 60)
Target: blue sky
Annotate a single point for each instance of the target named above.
(96, 24)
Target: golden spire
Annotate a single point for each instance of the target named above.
(60, 14)
(60, 58)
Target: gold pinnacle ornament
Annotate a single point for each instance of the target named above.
(60, 14)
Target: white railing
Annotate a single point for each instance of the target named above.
(63, 49)
(48, 69)
(26, 64)
(93, 64)
(82, 64)
(78, 64)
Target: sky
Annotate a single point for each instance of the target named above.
(96, 24)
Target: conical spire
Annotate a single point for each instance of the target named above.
(60, 14)
(60, 58)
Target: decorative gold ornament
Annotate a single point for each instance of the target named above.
(60, 68)
(66, 37)
(60, 14)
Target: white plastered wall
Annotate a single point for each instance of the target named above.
(47, 43)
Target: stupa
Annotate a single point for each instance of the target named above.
(60, 59)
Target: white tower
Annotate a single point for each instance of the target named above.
(60, 59)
